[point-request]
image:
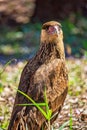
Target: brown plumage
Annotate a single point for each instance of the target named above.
(46, 69)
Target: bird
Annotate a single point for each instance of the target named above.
(47, 69)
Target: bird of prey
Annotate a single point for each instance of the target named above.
(46, 69)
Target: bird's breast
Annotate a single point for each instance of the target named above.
(46, 69)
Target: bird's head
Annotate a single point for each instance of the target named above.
(52, 35)
(51, 32)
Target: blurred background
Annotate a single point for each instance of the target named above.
(21, 20)
(20, 26)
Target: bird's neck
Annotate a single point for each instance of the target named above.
(50, 51)
(60, 49)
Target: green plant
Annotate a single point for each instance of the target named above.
(63, 125)
(70, 122)
(9, 62)
(47, 114)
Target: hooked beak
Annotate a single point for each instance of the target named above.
(53, 30)
(57, 30)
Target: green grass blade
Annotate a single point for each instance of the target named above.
(31, 104)
(49, 114)
(36, 104)
(66, 123)
(46, 101)
(48, 111)
(9, 62)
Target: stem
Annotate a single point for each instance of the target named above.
(49, 125)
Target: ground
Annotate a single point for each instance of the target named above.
(73, 115)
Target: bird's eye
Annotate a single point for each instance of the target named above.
(46, 27)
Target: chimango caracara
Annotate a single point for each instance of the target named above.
(46, 69)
